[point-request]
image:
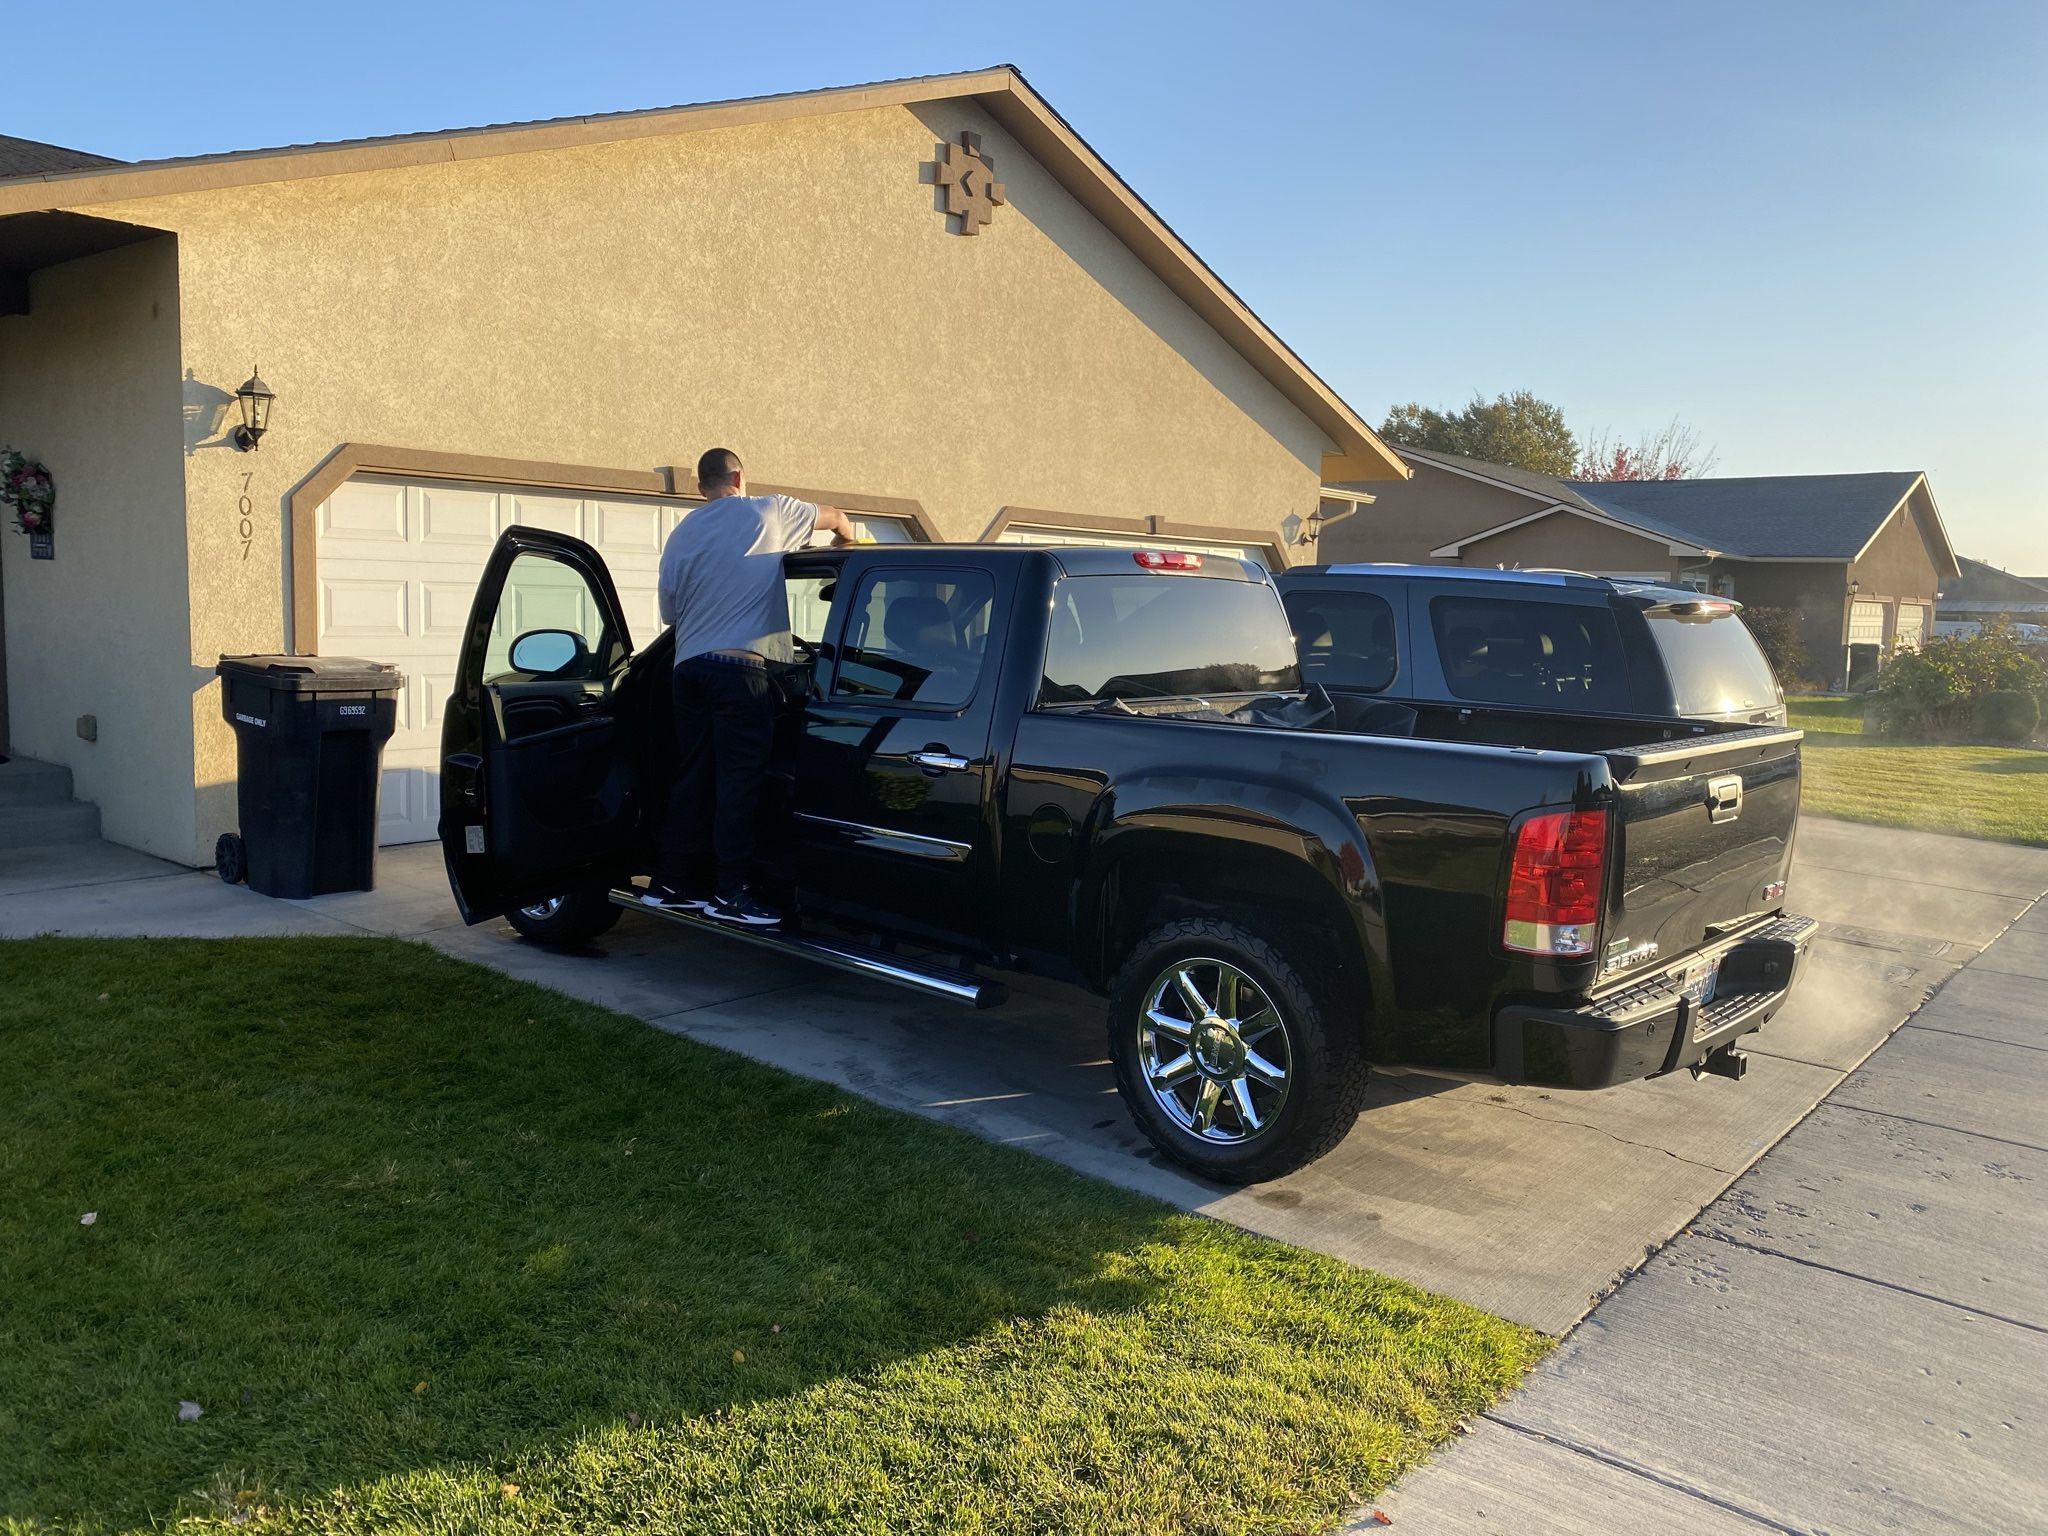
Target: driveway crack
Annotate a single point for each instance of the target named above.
(1647, 1146)
(1662, 1479)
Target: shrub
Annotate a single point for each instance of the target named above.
(1778, 636)
(2007, 714)
(1942, 686)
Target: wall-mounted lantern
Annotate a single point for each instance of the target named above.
(255, 399)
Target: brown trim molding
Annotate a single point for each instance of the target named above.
(1266, 539)
(351, 459)
(912, 512)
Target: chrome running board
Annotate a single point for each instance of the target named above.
(858, 959)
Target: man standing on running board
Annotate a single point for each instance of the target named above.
(722, 589)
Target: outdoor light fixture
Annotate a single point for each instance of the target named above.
(256, 399)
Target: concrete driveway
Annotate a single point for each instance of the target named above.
(1529, 1203)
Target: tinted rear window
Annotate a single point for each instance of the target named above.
(1715, 665)
(1151, 635)
(1539, 655)
(1346, 639)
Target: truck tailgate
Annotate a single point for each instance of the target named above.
(1706, 831)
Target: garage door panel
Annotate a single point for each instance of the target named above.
(622, 527)
(457, 517)
(551, 514)
(445, 605)
(362, 511)
(370, 609)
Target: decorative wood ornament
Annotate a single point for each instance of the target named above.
(969, 179)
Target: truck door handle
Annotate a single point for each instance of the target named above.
(936, 759)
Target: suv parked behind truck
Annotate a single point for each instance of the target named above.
(1446, 637)
(1103, 764)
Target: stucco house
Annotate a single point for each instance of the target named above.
(1860, 557)
(928, 301)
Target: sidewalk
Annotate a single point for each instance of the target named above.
(1854, 1338)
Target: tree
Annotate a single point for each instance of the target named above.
(1672, 452)
(1517, 429)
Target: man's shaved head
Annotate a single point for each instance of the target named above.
(717, 469)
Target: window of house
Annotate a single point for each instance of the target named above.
(916, 638)
(1539, 655)
(1346, 639)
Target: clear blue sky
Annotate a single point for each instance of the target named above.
(1818, 232)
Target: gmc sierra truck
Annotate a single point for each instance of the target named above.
(1103, 765)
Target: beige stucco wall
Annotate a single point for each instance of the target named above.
(1904, 561)
(787, 289)
(89, 385)
(1564, 542)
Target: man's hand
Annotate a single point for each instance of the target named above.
(838, 524)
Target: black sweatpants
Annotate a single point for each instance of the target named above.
(725, 731)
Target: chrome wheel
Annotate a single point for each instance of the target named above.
(541, 911)
(1214, 1051)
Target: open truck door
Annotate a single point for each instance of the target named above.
(537, 793)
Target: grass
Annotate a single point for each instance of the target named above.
(439, 1251)
(1971, 790)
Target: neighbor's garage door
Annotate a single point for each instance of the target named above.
(398, 565)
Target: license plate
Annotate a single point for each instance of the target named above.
(1699, 981)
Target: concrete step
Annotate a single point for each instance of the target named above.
(39, 826)
(23, 781)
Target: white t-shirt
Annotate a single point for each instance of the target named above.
(721, 575)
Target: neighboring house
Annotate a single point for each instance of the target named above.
(1860, 557)
(1985, 592)
(546, 323)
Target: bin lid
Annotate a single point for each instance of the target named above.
(313, 674)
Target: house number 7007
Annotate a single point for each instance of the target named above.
(246, 528)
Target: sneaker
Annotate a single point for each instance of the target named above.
(741, 908)
(667, 898)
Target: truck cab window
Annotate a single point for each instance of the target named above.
(1539, 655)
(1160, 636)
(1346, 639)
(916, 638)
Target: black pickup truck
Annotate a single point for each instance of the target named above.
(1101, 764)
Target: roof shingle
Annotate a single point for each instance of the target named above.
(1761, 517)
(27, 157)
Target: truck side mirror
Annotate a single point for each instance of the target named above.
(544, 653)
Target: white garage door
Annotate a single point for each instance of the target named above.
(398, 566)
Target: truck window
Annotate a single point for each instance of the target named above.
(1715, 664)
(1346, 639)
(916, 638)
(1152, 635)
(1538, 655)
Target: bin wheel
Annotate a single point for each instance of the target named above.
(231, 858)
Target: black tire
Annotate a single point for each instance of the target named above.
(1326, 1069)
(576, 917)
(231, 858)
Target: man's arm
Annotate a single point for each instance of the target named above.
(838, 524)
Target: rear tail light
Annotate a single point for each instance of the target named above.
(1168, 559)
(1555, 882)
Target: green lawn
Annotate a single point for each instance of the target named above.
(1976, 791)
(434, 1250)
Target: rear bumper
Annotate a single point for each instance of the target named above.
(1650, 1027)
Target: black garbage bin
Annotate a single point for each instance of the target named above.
(309, 738)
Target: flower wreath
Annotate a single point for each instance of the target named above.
(27, 487)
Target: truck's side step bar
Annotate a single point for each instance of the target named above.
(955, 986)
